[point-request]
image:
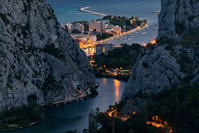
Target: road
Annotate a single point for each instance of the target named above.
(116, 36)
(155, 124)
(83, 94)
(122, 34)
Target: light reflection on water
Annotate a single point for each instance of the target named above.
(75, 115)
(117, 90)
(104, 81)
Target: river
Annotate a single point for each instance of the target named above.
(75, 115)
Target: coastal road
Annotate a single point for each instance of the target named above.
(83, 94)
(115, 37)
(122, 34)
(84, 9)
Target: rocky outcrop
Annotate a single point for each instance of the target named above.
(39, 61)
(178, 17)
(155, 70)
(169, 63)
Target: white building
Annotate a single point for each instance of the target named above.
(111, 28)
(69, 26)
(78, 26)
(93, 38)
(98, 25)
(117, 29)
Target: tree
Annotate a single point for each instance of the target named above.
(93, 124)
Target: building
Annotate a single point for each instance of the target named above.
(78, 26)
(92, 25)
(98, 26)
(69, 26)
(108, 47)
(117, 29)
(103, 48)
(101, 25)
(114, 29)
(99, 49)
(93, 38)
(104, 26)
(108, 30)
(81, 37)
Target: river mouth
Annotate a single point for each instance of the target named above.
(74, 116)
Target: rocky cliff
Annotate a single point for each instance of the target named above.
(173, 61)
(39, 61)
(178, 17)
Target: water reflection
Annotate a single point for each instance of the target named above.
(117, 90)
(104, 81)
(74, 116)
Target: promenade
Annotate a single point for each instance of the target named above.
(115, 37)
(122, 34)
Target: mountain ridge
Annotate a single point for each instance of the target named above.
(172, 62)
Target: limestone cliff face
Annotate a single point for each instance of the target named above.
(155, 70)
(38, 60)
(169, 63)
(178, 17)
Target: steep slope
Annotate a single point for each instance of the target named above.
(178, 17)
(38, 61)
(174, 60)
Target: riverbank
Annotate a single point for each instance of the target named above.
(105, 74)
(12, 127)
(16, 118)
(84, 95)
(74, 115)
(21, 117)
(117, 63)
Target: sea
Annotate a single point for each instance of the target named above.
(69, 11)
(75, 115)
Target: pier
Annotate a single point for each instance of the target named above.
(84, 9)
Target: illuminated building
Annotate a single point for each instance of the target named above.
(93, 38)
(103, 48)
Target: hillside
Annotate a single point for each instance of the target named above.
(173, 61)
(39, 61)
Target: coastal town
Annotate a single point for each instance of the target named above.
(95, 33)
(93, 36)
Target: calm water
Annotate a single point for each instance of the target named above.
(75, 115)
(68, 11)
